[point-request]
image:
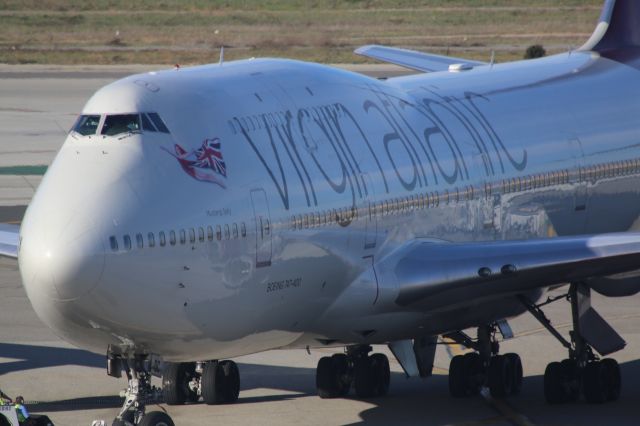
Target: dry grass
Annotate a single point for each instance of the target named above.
(191, 31)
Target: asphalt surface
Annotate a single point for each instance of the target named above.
(277, 387)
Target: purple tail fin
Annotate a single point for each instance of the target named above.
(618, 27)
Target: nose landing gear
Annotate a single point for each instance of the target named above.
(140, 393)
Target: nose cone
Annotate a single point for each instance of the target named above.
(61, 253)
(60, 257)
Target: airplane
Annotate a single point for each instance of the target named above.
(202, 213)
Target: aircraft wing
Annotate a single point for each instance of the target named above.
(9, 240)
(412, 59)
(431, 275)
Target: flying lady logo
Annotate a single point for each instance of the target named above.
(205, 163)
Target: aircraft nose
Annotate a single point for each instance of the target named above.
(61, 258)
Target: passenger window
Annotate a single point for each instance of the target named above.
(121, 123)
(183, 236)
(227, 234)
(172, 238)
(87, 125)
(209, 233)
(146, 124)
(163, 240)
(113, 241)
(293, 222)
(306, 220)
(127, 242)
(152, 239)
(192, 235)
(235, 231)
(243, 230)
(158, 122)
(140, 241)
(218, 232)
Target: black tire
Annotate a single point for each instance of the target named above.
(382, 374)
(554, 385)
(325, 383)
(612, 377)
(457, 377)
(156, 418)
(571, 380)
(516, 365)
(594, 383)
(211, 383)
(175, 383)
(500, 376)
(363, 380)
(342, 370)
(474, 372)
(231, 384)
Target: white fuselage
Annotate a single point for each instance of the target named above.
(320, 173)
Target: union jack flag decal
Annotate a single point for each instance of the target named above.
(205, 163)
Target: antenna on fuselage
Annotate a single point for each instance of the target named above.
(493, 58)
(221, 55)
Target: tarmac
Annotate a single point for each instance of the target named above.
(37, 105)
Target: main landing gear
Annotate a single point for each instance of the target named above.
(583, 372)
(369, 374)
(468, 373)
(218, 382)
(139, 393)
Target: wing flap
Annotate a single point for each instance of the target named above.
(438, 274)
(9, 237)
(412, 59)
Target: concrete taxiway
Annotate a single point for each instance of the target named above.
(37, 104)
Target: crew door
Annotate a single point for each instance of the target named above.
(262, 226)
(371, 224)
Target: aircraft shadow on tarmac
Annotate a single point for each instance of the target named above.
(30, 357)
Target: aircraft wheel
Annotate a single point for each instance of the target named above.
(231, 381)
(594, 383)
(332, 376)
(175, 383)
(554, 384)
(571, 379)
(516, 365)
(211, 383)
(382, 373)
(612, 377)
(501, 376)
(363, 379)
(466, 375)
(156, 418)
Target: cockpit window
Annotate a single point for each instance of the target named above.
(158, 122)
(121, 123)
(146, 124)
(87, 125)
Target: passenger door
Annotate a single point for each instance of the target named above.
(262, 226)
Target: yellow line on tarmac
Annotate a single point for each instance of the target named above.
(502, 407)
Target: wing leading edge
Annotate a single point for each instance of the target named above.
(412, 59)
(9, 236)
(438, 274)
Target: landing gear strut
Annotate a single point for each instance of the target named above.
(468, 373)
(139, 394)
(369, 374)
(583, 372)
